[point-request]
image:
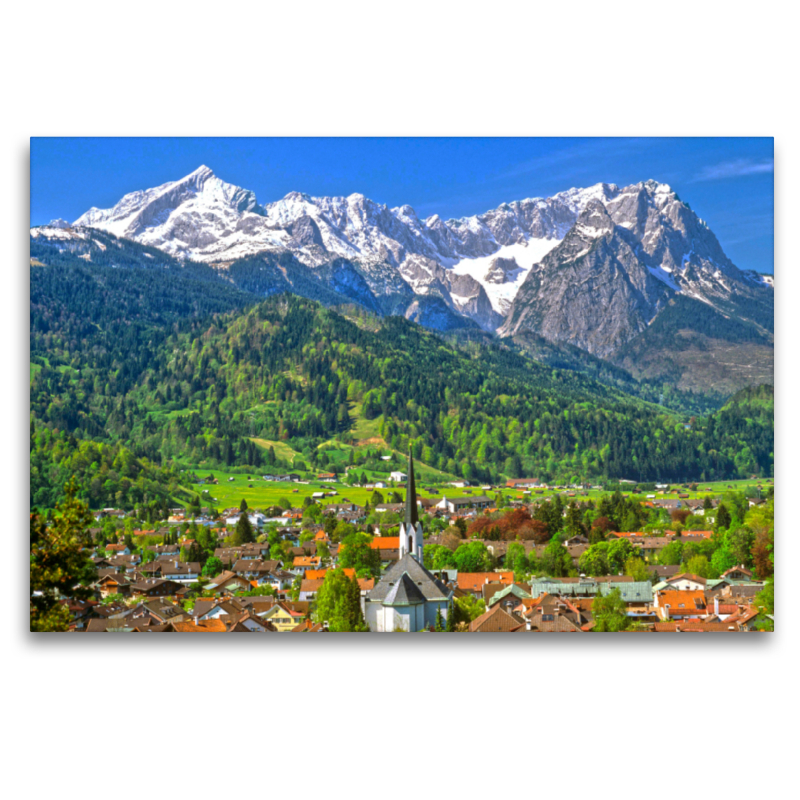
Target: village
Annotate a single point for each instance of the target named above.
(634, 563)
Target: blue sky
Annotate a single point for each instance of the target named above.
(727, 181)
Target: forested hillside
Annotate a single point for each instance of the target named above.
(146, 361)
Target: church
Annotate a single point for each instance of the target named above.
(407, 596)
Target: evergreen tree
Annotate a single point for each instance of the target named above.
(243, 534)
(451, 618)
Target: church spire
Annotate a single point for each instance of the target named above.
(412, 517)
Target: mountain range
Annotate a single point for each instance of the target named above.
(630, 275)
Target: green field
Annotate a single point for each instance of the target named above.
(260, 493)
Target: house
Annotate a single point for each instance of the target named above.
(208, 626)
(553, 614)
(397, 476)
(255, 569)
(309, 588)
(180, 571)
(522, 483)
(738, 574)
(303, 563)
(636, 594)
(228, 582)
(456, 504)
(680, 604)
(659, 573)
(685, 581)
(213, 609)
(388, 546)
(509, 595)
(496, 620)
(286, 616)
(248, 623)
(155, 587)
(473, 582)
(114, 583)
(159, 611)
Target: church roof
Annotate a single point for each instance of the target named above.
(404, 593)
(429, 587)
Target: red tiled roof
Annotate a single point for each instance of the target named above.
(385, 543)
(474, 581)
(203, 626)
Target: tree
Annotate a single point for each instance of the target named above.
(619, 551)
(637, 569)
(723, 518)
(680, 515)
(213, 567)
(516, 560)
(284, 503)
(339, 603)
(356, 552)
(60, 566)
(594, 560)
(451, 618)
(243, 533)
(740, 543)
(323, 551)
(671, 555)
(556, 561)
(610, 613)
(762, 552)
(722, 560)
(467, 608)
(439, 626)
(600, 529)
(765, 602)
(473, 557)
(243, 506)
(699, 565)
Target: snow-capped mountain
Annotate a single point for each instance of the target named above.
(475, 266)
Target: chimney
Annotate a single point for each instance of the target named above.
(716, 606)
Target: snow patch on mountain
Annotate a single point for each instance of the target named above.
(525, 254)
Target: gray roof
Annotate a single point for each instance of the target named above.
(404, 593)
(633, 592)
(428, 586)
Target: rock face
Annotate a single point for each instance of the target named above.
(629, 251)
(591, 291)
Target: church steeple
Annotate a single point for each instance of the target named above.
(410, 528)
(412, 517)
